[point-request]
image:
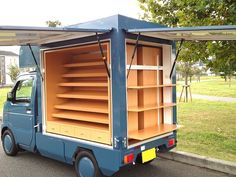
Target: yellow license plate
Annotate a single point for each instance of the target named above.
(148, 155)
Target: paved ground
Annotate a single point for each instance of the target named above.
(212, 98)
(31, 165)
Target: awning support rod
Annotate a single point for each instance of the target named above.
(104, 58)
(176, 57)
(132, 58)
(35, 61)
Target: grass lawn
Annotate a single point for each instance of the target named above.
(209, 129)
(3, 96)
(215, 87)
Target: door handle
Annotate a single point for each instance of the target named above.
(28, 110)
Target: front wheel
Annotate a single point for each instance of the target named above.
(86, 165)
(8, 143)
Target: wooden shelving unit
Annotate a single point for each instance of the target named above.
(149, 94)
(77, 91)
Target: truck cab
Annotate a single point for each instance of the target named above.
(19, 114)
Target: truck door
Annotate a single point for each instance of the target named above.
(21, 111)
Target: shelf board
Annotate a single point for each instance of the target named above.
(150, 107)
(83, 64)
(151, 131)
(140, 109)
(83, 116)
(83, 124)
(85, 84)
(151, 86)
(92, 95)
(166, 105)
(85, 74)
(87, 106)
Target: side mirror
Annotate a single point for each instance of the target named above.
(9, 96)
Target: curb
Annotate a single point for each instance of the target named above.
(201, 161)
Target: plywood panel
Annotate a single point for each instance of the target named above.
(77, 92)
(152, 131)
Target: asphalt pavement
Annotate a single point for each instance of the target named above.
(27, 164)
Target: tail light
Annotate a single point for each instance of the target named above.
(171, 142)
(128, 158)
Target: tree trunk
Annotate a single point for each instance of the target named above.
(230, 81)
(186, 90)
(225, 77)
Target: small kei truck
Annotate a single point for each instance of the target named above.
(103, 94)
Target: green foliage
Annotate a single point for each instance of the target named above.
(14, 71)
(174, 13)
(3, 97)
(224, 59)
(53, 23)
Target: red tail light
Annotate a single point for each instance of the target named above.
(128, 158)
(171, 142)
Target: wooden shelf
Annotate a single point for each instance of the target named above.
(151, 132)
(151, 86)
(85, 84)
(89, 106)
(85, 95)
(150, 107)
(83, 124)
(85, 74)
(84, 64)
(83, 116)
(140, 109)
(166, 105)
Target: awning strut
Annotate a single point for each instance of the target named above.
(176, 57)
(103, 56)
(132, 58)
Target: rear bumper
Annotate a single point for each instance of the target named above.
(161, 145)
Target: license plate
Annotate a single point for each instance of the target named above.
(148, 155)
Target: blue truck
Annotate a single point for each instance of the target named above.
(102, 95)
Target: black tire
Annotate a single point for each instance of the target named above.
(82, 155)
(9, 149)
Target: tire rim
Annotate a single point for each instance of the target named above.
(86, 167)
(8, 143)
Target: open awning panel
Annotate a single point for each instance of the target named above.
(202, 33)
(16, 35)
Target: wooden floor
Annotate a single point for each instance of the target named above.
(152, 131)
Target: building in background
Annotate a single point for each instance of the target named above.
(7, 59)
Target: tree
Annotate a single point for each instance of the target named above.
(224, 61)
(14, 71)
(174, 13)
(53, 23)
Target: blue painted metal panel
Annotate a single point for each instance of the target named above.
(25, 57)
(21, 122)
(50, 147)
(174, 88)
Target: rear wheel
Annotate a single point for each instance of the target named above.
(9, 144)
(86, 165)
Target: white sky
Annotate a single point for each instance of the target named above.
(68, 12)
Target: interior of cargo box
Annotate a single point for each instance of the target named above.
(77, 92)
(149, 92)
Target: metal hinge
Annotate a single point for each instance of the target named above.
(38, 127)
(120, 142)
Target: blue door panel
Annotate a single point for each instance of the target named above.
(22, 123)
